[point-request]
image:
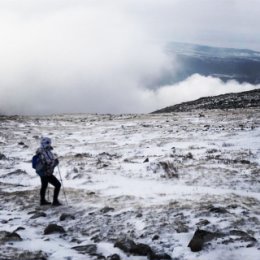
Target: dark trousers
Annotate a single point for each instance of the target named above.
(53, 181)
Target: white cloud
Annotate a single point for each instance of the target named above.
(195, 87)
(90, 58)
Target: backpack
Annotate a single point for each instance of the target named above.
(38, 164)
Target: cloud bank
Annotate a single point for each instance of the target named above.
(195, 87)
(91, 56)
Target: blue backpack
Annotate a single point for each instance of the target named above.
(38, 165)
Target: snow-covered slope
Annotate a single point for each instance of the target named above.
(151, 179)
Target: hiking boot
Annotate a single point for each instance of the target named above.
(45, 202)
(56, 203)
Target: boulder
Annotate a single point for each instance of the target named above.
(6, 236)
(65, 216)
(141, 250)
(200, 237)
(114, 257)
(38, 255)
(90, 249)
(125, 245)
(130, 247)
(196, 244)
(53, 228)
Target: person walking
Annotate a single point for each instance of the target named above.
(49, 162)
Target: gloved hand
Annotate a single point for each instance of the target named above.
(56, 162)
(49, 170)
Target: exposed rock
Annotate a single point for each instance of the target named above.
(65, 216)
(100, 164)
(181, 227)
(189, 156)
(170, 169)
(146, 160)
(200, 237)
(243, 236)
(196, 244)
(114, 257)
(125, 245)
(75, 170)
(173, 149)
(141, 250)
(16, 172)
(11, 253)
(86, 249)
(218, 210)
(91, 193)
(129, 246)
(203, 222)
(96, 239)
(82, 155)
(155, 237)
(245, 162)
(108, 156)
(6, 236)
(106, 210)
(38, 215)
(53, 228)
(2, 156)
(146, 125)
(239, 236)
(18, 229)
(159, 257)
(38, 255)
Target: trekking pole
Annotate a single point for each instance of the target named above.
(63, 186)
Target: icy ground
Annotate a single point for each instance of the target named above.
(153, 179)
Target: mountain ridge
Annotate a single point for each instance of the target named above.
(241, 65)
(245, 99)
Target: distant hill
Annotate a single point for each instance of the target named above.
(227, 101)
(241, 65)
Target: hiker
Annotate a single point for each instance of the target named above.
(49, 161)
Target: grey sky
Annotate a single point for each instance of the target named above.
(100, 55)
(226, 23)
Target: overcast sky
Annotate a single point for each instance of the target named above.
(101, 55)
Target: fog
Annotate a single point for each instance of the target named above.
(102, 56)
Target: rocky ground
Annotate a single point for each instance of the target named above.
(169, 186)
(239, 100)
